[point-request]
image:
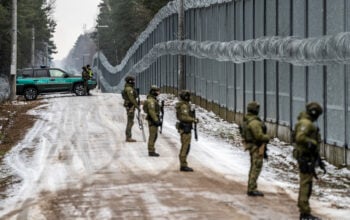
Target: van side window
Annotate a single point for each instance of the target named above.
(40, 73)
(56, 73)
(27, 73)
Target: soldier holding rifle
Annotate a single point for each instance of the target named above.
(307, 152)
(130, 95)
(184, 126)
(152, 108)
(254, 134)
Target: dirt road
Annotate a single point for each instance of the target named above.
(75, 164)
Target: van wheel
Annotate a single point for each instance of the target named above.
(79, 89)
(30, 93)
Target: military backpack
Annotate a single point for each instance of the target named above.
(245, 131)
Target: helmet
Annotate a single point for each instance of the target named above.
(253, 107)
(130, 79)
(154, 90)
(185, 95)
(314, 110)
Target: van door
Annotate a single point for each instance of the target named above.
(41, 79)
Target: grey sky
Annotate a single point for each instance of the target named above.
(71, 15)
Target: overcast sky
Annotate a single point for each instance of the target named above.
(71, 15)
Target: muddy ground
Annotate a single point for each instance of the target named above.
(14, 123)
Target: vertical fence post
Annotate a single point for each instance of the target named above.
(13, 69)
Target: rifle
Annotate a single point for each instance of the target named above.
(321, 164)
(162, 116)
(139, 119)
(195, 125)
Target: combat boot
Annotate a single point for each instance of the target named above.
(186, 169)
(255, 193)
(308, 217)
(153, 154)
(130, 140)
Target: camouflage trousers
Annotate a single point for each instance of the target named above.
(130, 111)
(305, 190)
(153, 134)
(256, 162)
(85, 86)
(185, 147)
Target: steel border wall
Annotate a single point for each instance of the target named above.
(281, 88)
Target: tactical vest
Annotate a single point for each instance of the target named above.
(178, 110)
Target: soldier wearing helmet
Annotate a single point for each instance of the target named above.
(152, 108)
(185, 119)
(129, 95)
(255, 140)
(307, 138)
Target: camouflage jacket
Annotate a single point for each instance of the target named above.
(85, 75)
(256, 129)
(183, 112)
(153, 108)
(307, 138)
(130, 96)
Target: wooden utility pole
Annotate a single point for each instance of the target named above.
(33, 46)
(181, 58)
(13, 69)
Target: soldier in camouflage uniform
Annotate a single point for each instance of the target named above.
(152, 108)
(307, 139)
(85, 76)
(255, 141)
(130, 95)
(184, 126)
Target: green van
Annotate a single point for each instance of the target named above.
(31, 82)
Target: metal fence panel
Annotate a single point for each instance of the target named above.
(298, 79)
(239, 30)
(335, 105)
(279, 87)
(231, 89)
(259, 31)
(335, 76)
(347, 106)
(271, 113)
(248, 24)
(284, 29)
(347, 80)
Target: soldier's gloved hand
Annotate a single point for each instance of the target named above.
(196, 120)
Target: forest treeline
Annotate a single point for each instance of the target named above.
(30, 13)
(126, 19)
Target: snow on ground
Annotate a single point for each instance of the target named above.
(333, 188)
(71, 144)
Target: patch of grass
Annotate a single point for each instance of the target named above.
(14, 123)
